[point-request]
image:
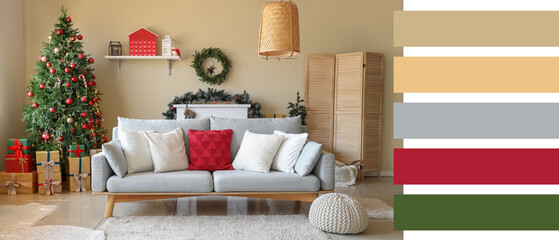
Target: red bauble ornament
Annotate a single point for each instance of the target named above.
(98, 114)
(68, 19)
(95, 145)
(104, 139)
(46, 136)
(83, 114)
(69, 100)
(49, 64)
(90, 83)
(59, 32)
(66, 70)
(91, 60)
(52, 110)
(74, 79)
(90, 103)
(96, 100)
(61, 138)
(40, 58)
(42, 86)
(84, 127)
(94, 83)
(93, 76)
(81, 56)
(98, 134)
(31, 94)
(52, 70)
(73, 129)
(35, 105)
(96, 121)
(43, 59)
(84, 99)
(72, 65)
(67, 84)
(80, 37)
(73, 38)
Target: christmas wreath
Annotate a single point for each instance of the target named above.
(210, 75)
(214, 96)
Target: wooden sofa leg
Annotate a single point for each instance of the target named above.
(110, 206)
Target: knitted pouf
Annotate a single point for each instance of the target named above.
(338, 213)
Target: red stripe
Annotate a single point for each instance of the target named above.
(476, 166)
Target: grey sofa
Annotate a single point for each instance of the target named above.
(151, 185)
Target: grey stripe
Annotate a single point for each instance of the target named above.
(476, 120)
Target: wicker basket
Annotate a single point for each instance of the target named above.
(279, 31)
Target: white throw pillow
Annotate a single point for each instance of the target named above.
(167, 150)
(257, 152)
(289, 151)
(136, 150)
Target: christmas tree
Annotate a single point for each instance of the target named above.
(64, 105)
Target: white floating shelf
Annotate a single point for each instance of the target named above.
(167, 58)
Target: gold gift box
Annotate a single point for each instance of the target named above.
(57, 183)
(28, 182)
(74, 168)
(42, 157)
(94, 151)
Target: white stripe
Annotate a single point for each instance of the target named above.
(481, 51)
(481, 189)
(480, 235)
(481, 5)
(481, 97)
(481, 143)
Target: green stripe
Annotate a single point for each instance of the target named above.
(476, 212)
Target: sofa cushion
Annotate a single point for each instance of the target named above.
(136, 150)
(115, 157)
(179, 181)
(164, 126)
(274, 181)
(210, 150)
(256, 125)
(167, 150)
(308, 158)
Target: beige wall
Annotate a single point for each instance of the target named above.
(144, 88)
(12, 81)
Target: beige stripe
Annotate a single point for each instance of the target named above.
(476, 74)
(471, 28)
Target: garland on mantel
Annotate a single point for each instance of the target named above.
(214, 96)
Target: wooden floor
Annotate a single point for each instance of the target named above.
(87, 210)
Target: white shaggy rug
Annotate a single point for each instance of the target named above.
(377, 208)
(212, 227)
(19, 224)
(345, 175)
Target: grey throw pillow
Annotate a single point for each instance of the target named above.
(308, 158)
(115, 156)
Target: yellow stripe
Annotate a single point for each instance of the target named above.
(476, 74)
(471, 28)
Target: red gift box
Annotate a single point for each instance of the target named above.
(16, 164)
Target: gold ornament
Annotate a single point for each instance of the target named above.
(56, 50)
(50, 37)
(70, 120)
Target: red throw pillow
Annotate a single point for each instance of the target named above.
(210, 150)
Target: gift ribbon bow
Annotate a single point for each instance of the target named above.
(77, 152)
(18, 149)
(49, 186)
(22, 161)
(80, 181)
(13, 185)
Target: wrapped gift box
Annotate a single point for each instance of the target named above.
(15, 164)
(15, 146)
(77, 151)
(56, 183)
(13, 183)
(43, 158)
(79, 174)
(94, 151)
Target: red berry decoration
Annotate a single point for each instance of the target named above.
(52, 110)
(59, 32)
(69, 100)
(98, 114)
(66, 70)
(68, 19)
(72, 65)
(91, 60)
(84, 127)
(52, 70)
(81, 56)
(42, 86)
(61, 138)
(93, 76)
(74, 79)
(84, 99)
(35, 105)
(67, 84)
(73, 129)
(80, 37)
(31, 94)
(83, 114)
(96, 100)
(73, 38)
(90, 103)
(90, 83)
(49, 64)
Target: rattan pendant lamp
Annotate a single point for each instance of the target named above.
(279, 31)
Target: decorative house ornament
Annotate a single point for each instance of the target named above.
(115, 48)
(167, 45)
(211, 74)
(142, 43)
(279, 31)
